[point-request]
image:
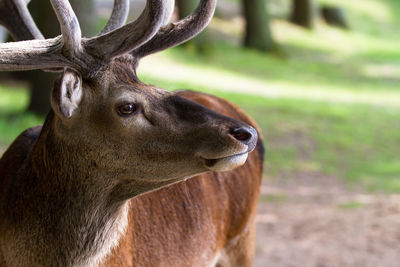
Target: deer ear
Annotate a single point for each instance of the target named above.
(67, 93)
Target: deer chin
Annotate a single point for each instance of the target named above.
(226, 163)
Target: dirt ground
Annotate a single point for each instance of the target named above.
(314, 220)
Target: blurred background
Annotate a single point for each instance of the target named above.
(321, 78)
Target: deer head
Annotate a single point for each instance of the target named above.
(104, 118)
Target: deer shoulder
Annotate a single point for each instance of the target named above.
(16, 154)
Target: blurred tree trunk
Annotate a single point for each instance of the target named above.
(335, 16)
(41, 83)
(258, 32)
(201, 43)
(304, 13)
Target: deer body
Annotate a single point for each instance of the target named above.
(89, 188)
(191, 223)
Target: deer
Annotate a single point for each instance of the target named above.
(123, 173)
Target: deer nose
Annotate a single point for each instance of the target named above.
(246, 135)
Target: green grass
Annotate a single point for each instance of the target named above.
(274, 198)
(13, 119)
(351, 205)
(331, 105)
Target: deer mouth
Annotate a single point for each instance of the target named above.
(226, 163)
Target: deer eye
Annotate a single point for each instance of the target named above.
(126, 109)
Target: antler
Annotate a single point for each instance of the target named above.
(70, 50)
(179, 32)
(70, 29)
(14, 15)
(32, 55)
(118, 16)
(130, 36)
(141, 37)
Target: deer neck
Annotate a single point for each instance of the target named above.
(61, 209)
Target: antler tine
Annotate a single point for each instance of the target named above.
(179, 32)
(70, 29)
(130, 36)
(118, 16)
(14, 15)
